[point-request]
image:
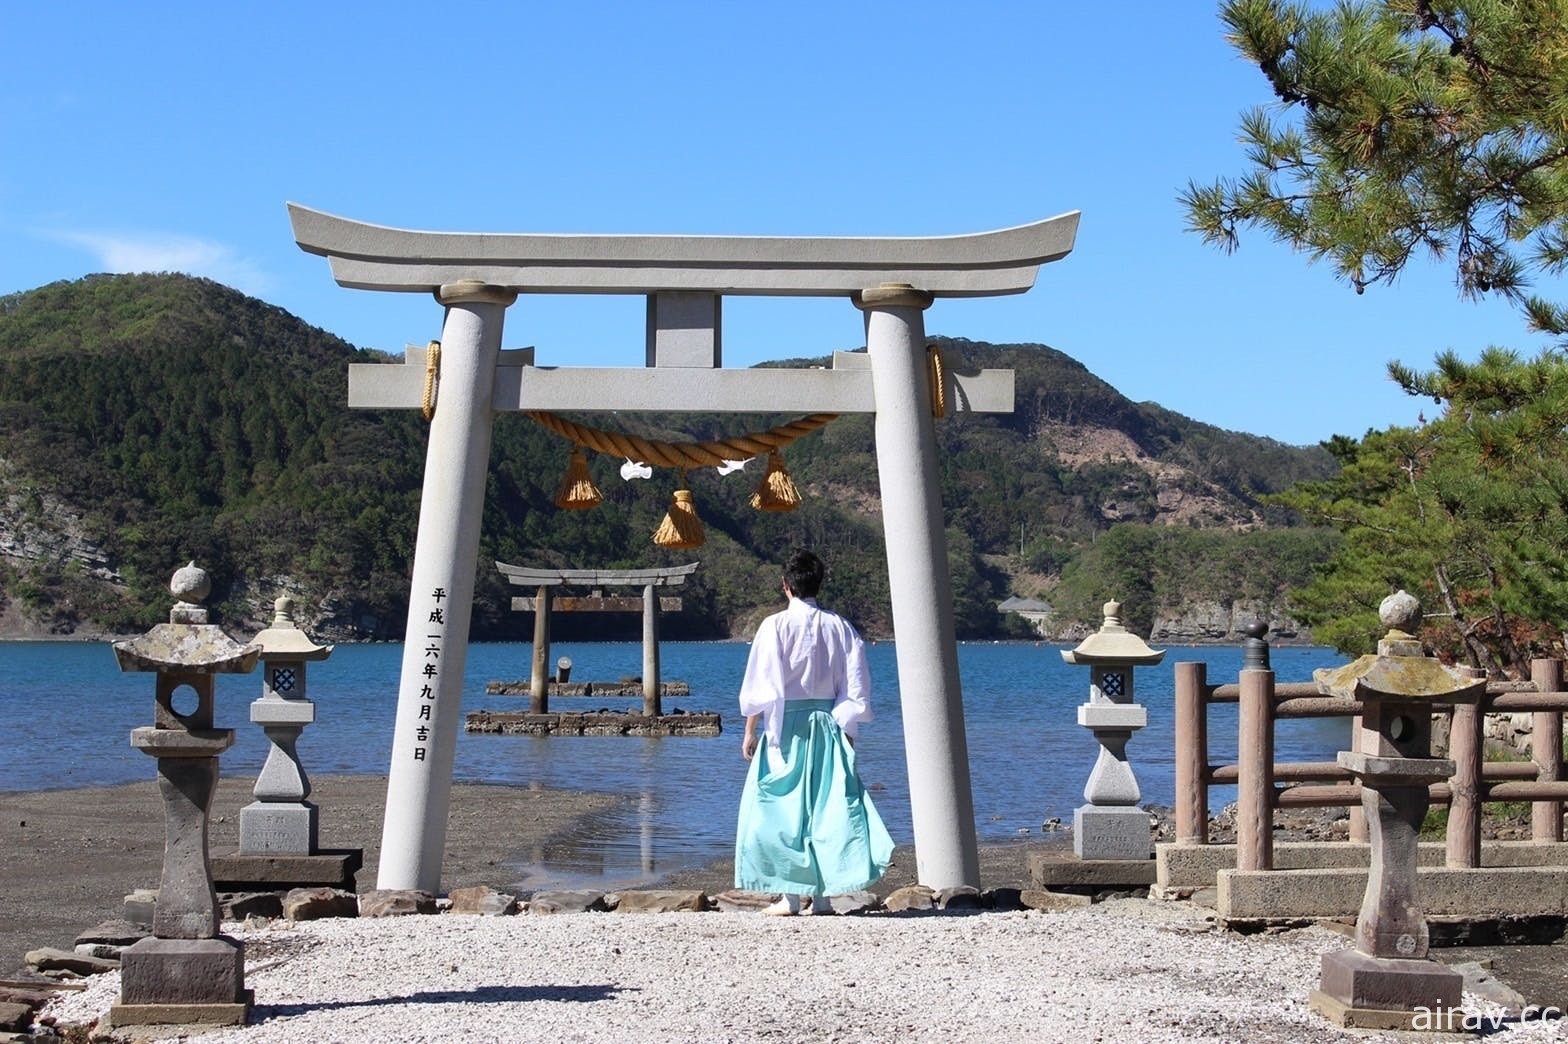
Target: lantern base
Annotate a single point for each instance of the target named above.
(278, 828)
(1111, 832)
(1383, 993)
(182, 974)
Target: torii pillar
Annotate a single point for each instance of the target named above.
(920, 588)
(684, 278)
(440, 604)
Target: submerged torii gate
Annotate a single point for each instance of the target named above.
(650, 604)
(476, 276)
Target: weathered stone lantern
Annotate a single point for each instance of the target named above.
(1387, 976)
(280, 821)
(187, 972)
(1111, 825)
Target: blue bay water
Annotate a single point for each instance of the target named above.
(70, 711)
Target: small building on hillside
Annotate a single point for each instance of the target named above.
(1038, 613)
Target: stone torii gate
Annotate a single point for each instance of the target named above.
(477, 276)
(543, 604)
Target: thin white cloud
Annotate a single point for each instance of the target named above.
(169, 253)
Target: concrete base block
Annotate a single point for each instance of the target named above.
(1490, 892)
(179, 1014)
(1055, 868)
(1111, 833)
(333, 868)
(1445, 1020)
(1195, 866)
(1378, 988)
(269, 828)
(183, 972)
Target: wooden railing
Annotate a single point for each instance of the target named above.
(1262, 785)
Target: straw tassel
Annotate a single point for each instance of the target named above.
(681, 527)
(577, 491)
(777, 490)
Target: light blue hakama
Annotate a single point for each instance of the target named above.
(808, 827)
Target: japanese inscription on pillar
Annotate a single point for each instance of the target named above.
(431, 672)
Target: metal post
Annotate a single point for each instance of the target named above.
(1255, 783)
(430, 692)
(920, 589)
(1546, 750)
(1192, 754)
(539, 680)
(651, 704)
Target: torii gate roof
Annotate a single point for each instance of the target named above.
(666, 576)
(374, 257)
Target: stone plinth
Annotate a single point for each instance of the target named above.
(333, 868)
(1384, 993)
(1111, 833)
(1055, 868)
(176, 981)
(267, 829)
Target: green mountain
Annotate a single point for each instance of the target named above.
(153, 419)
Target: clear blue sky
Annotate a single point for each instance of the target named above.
(169, 136)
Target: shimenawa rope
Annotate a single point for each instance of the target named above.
(682, 454)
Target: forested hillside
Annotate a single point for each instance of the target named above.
(149, 420)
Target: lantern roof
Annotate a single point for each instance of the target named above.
(1113, 643)
(1399, 670)
(187, 643)
(284, 640)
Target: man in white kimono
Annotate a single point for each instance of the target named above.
(806, 826)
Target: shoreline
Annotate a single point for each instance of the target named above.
(69, 856)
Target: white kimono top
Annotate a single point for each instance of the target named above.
(806, 653)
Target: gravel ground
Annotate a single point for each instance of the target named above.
(1122, 970)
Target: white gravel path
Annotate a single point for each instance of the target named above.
(1127, 970)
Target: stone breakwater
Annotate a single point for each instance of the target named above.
(626, 688)
(593, 723)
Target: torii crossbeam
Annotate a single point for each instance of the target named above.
(476, 276)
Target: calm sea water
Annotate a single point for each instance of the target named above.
(69, 712)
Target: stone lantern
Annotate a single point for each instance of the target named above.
(1381, 982)
(1111, 825)
(187, 972)
(280, 821)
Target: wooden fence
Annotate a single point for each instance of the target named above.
(1262, 785)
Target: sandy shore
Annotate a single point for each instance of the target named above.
(68, 857)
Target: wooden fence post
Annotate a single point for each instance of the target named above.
(1464, 805)
(1255, 771)
(1192, 754)
(1358, 816)
(1546, 750)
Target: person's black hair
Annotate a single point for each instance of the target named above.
(803, 572)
